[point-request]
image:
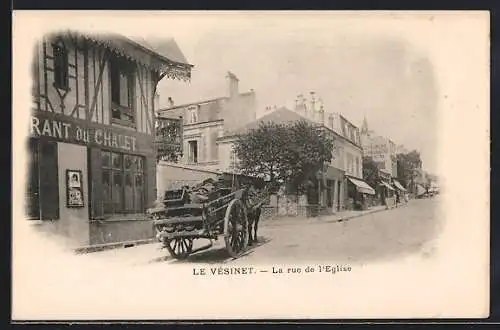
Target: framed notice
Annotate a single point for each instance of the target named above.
(74, 188)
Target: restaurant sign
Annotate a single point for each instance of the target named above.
(73, 132)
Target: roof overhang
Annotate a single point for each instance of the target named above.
(133, 51)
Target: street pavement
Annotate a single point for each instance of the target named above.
(378, 236)
(109, 283)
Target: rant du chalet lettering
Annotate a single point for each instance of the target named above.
(69, 132)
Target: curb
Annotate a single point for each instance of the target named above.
(110, 246)
(356, 216)
(318, 220)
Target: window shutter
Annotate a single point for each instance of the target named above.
(49, 181)
(96, 206)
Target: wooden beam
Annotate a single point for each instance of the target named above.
(86, 78)
(143, 97)
(97, 85)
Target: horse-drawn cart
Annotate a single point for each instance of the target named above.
(185, 217)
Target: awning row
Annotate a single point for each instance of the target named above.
(388, 186)
(398, 185)
(362, 186)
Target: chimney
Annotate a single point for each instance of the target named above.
(322, 115)
(232, 84)
(170, 102)
(313, 102)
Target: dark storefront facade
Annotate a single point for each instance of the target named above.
(92, 168)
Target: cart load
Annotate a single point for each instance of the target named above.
(206, 211)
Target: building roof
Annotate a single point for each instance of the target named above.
(215, 99)
(163, 56)
(167, 47)
(178, 106)
(282, 115)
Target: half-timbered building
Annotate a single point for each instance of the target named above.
(92, 169)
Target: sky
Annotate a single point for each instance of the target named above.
(357, 68)
(401, 70)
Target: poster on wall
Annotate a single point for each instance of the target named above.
(74, 188)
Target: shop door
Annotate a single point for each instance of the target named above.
(42, 191)
(33, 186)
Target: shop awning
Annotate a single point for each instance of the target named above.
(385, 184)
(420, 190)
(398, 185)
(362, 186)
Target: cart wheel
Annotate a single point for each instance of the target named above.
(236, 228)
(180, 248)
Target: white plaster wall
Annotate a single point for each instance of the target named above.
(73, 222)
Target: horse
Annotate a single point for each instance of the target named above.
(253, 223)
(253, 215)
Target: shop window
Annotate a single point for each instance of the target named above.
(42, 189)
(122, 93)
(60, 53)
(122, 183)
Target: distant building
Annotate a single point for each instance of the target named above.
(205, 123)
(332, 193)
(380, 148)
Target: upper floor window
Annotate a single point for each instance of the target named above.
(122, 93)
(61, 79)
(192, 115)
(193, 151)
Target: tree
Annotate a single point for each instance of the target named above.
(370, 171)
(407, 164)
(309, 150)
(168, 152)
(292, 153)
(259, 152)
(168, 132)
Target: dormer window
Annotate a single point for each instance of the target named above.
(60, 53)
(122, 93)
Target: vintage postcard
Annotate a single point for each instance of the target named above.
(250, 165)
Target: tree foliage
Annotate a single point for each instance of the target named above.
(407, 164)
(168, 134)
(169, 153)
(370, 171)
(292, 153)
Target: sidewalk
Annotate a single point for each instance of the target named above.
(337, 217)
